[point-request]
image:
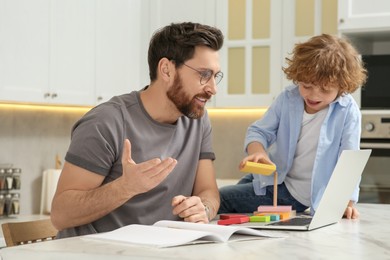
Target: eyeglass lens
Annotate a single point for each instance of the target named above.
(206, 75)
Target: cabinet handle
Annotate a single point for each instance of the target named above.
(341, 20)
(46, 95)
(99, 98)
(54, 95)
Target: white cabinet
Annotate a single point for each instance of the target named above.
(164, 12)
(363, 15)
(24, 45)
(118, 44)
(366, 24)
(251, 57)
(47, 51)
(71, 52)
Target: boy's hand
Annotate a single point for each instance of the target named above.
(351, 212)
(257, 158)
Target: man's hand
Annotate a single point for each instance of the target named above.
(191, 209)
(142, 177)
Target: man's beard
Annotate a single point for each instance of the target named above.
(186, 105)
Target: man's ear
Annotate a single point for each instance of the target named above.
(165, 69)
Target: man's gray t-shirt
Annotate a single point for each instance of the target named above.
(97, 143)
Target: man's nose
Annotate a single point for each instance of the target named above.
(211, 87)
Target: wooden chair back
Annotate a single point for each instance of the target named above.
(19, 233)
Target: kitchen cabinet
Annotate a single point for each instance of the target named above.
(366, 24)
(24, 45)
(71, 52)
(47, 51)
(364, 16)
(118, 44)
(250, 57)
(164, 12)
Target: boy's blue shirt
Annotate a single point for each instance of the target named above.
(278, 131)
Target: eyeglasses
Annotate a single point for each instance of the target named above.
(205, 75)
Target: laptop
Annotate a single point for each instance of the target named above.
(342, 183)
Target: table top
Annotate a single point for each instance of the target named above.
(366, 238)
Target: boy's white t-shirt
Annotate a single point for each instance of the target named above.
(298, 179)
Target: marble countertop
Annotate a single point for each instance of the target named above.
(366, 238)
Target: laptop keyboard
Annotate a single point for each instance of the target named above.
(292, 222)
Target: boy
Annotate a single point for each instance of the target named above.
(305, 130)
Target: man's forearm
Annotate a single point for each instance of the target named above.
(73, 208)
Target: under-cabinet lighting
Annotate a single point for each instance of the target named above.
(82, 109)
(233, 112)
(53, 108)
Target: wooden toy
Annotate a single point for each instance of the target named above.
(231, 221)
(273, 216)
(228, 216)
(267, 169)
(259, 218)
(273, 209)
(258, 168)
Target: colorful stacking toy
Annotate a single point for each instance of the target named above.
(263, 213)
(267, 169)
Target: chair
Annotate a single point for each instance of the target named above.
(19, 233)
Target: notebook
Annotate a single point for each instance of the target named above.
(342, 183)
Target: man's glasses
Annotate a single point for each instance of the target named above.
(206, 75)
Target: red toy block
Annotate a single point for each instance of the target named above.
(228, 216)
(231, 221)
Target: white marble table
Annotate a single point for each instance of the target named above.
(367, 238)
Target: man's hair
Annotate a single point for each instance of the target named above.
(327, 61)
(177, 42)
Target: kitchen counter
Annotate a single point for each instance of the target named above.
(366, 238)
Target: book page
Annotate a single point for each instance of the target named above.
(222, 232)
(154, 235)
(174, 233)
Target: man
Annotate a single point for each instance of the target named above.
(146, 156)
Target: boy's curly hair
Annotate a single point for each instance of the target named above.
(327, 61)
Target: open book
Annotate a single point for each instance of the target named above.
(166, 233)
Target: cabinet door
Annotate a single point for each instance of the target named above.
(118, 27)
(164, 12)
(24, 50)
(363, 15)
(251, 53)
(72, 52)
